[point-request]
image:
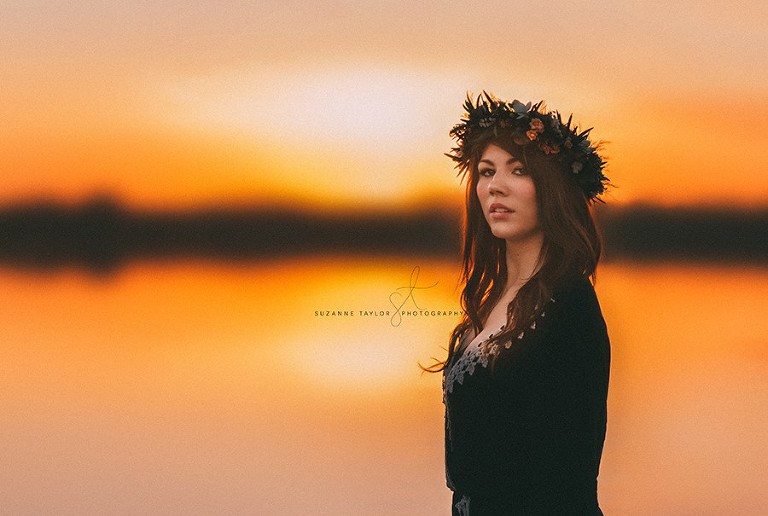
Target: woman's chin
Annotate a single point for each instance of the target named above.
(505, 233)
(514, 236)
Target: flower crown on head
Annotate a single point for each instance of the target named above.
(530, 125)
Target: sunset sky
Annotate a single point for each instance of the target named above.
(186, 104)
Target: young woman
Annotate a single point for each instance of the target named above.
(526, 377)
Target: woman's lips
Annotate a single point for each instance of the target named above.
(499, 211)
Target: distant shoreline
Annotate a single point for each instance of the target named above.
(101, 235)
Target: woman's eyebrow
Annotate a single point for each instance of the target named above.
(510, 161)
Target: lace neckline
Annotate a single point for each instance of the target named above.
(466, 362)
(474, 343)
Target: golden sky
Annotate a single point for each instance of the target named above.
(179, 104)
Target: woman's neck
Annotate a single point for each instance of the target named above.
(522, 259)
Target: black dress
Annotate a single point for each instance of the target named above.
(525, 436)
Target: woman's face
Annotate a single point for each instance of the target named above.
(507, 195)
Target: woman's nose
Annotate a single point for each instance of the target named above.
(495, 185)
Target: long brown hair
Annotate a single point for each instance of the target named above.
(571, 248)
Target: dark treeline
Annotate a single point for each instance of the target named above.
(720, 234)
(100, 235)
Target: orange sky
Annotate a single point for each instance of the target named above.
(182, 105)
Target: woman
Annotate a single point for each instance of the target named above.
(526, 377)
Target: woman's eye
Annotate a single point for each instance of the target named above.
(487, 172)
(520, 172)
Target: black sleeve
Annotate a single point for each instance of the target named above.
(567, 414)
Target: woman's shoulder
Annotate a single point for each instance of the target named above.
(576, 308)
(574, 290)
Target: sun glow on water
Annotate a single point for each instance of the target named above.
(357, 359)
(353, 339)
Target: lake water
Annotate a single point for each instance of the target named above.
(285, 388)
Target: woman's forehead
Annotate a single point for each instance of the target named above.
(494, 153)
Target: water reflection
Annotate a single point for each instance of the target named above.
(188, 388)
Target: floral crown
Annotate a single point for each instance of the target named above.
(530, 125)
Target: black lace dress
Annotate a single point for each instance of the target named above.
(526, 436)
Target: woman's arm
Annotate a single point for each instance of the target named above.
(567, 416)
